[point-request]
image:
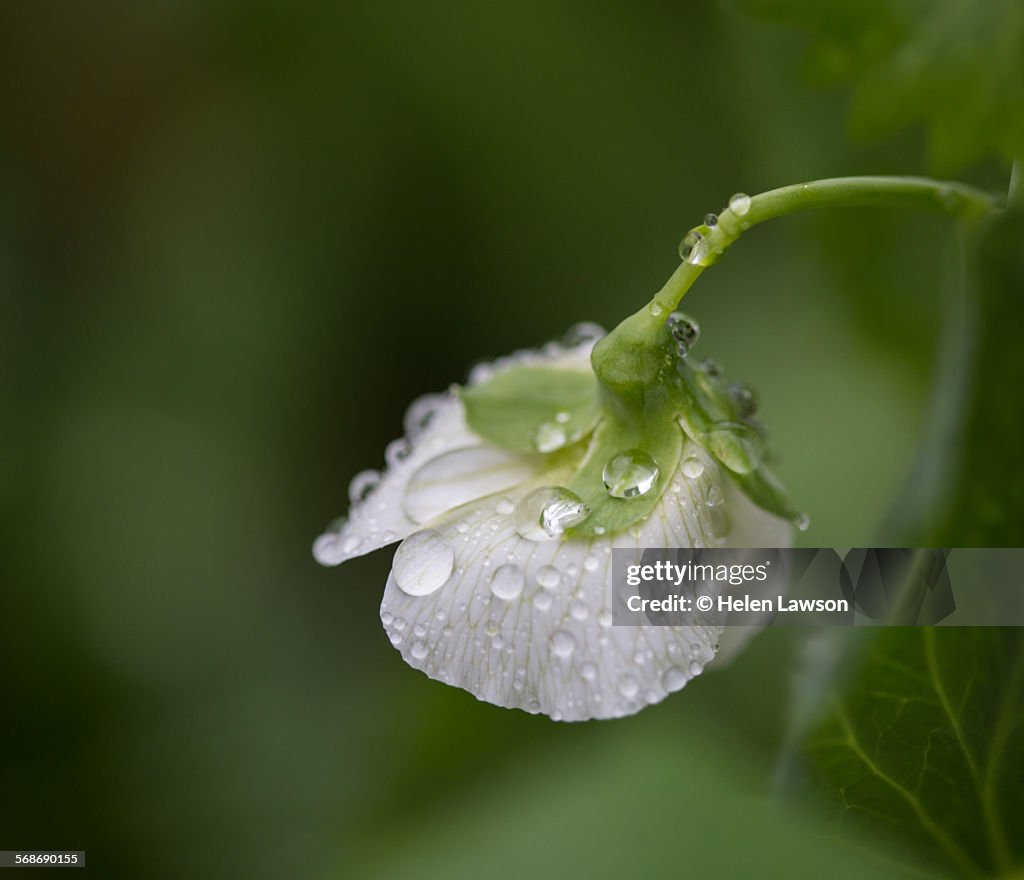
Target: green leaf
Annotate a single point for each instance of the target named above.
(926, 747)
(954, 66)
(527, 409)
(968, 490)
(659, 436)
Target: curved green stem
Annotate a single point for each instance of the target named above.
(627, 356)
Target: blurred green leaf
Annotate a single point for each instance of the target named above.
(955, 66)
(515, 407)
(926, 745)
(968, 490)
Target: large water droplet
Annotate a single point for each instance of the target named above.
(423, 563)
(736, 445)
(695, 247)
(549, 437)
(420, 412)
(547, 512)
(684, 330)
(419, 650)
(673, 679)
(655, 309)
(362, 485)
(562, 643)
(507, 582)
(397, 451)
(802, 522)
(630, 473)
(710, 219)
(628, 687)
(739, 204)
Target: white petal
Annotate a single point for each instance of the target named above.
(527, 625)
(435, 427)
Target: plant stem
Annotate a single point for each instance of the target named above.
(625, 357)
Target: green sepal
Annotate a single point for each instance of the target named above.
(657, 434)
(764, 489)
(512, 408)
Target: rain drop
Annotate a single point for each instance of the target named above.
(692, 467)
(548, 577)
(562, 643)
(684, 330)
(362, 485)
(802, 522)
(628, 687)
(673, 679)
(549, 437)
(507, 582)
(423, 563)
(630, 473)
(695, 668)
(710, 219)
(547, 512)
(739, 204)
(419, 650)
(655, 309)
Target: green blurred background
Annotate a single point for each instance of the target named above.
(236, 239)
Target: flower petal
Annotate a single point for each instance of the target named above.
(527, 624)
(383, 508)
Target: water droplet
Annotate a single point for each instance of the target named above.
(739, 204)
(692, 467)
(710, 368)
(395, 638)
(802, 522)
(549, 437)
(684, 330)
(397, 451)
(589, 671)
(695, 247)
(562, 643)
(591, 562)
(714, 496)
(362, 486)
(599, 530)
(386, 617)
(744, 398)
(419, 650)
(674, 679)
(562, 417)
(419, 630)
(504, 507)
(547, 512)
(507, 582)
(578, 609)
(585, 331)
(399, 624)
(630, 473)
(655, 309)
(491, 628)
(695, 668)
(548, 577)
(718, 522)
(736, 445)
(628, 687)
(423, 563)
(420, 413)
(604, 617)
(710, 219)
(542, 601)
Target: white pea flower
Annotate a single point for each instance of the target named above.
(508, 496)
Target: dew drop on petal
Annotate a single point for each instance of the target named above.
(673, 679)
(692, 467)
(423, 563)
(585, 331)
(504, 507)
(507, 582)
(591, 562)
(630, 473)
(604, 618)
(718, 522)
(548, 577)
(628, 687)
(362, 485)
(739, 204)
(562, 643)
(547, 512)
(589, 671)
(549, 437)
(397, 451)
(419, 650)
(542, 601)
(714, 496)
